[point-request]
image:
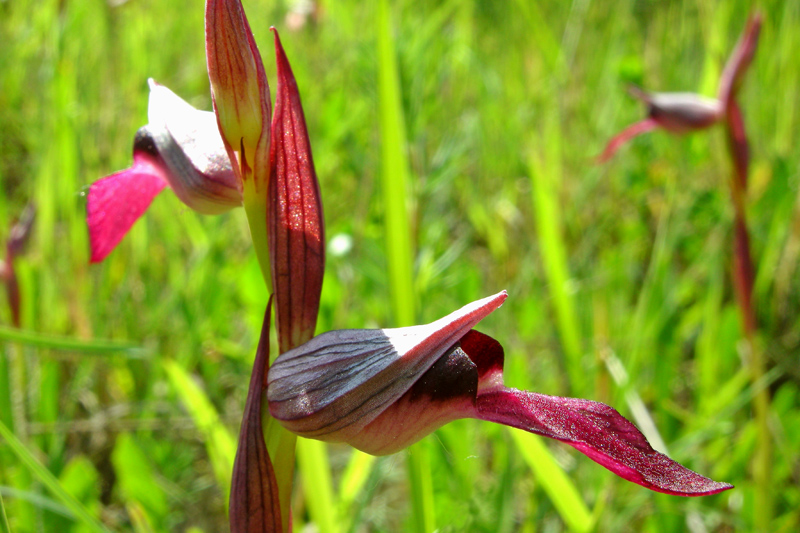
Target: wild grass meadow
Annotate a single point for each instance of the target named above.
(122, 392)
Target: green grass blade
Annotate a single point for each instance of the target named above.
(559, 488)
(3, 519)
(355, 476)
(37, 500)
(394, 175)
(49, 480)
(546, 176)
(312, 456)
(395, 183)
(219, 442)
(69, 344)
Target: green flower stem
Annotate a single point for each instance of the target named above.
(255, 205)
(281, 448)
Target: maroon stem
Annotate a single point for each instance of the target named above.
(743, 279)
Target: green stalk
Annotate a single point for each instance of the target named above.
(395, 182)
(255, 206)
(281, 445)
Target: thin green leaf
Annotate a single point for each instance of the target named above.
(79, 512)
(546, 176)
(312, 456)
(69, 344)
(395, 183)
(555, 482)
(219, 442)
(3, 520)
(355, 476)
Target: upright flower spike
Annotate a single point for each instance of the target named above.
(240, 93)
(180, 148)
(296, 226)
(382, 390)
(682, 113)
(284, 210)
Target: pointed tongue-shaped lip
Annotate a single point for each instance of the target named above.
(342, 380)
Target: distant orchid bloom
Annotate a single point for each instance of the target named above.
(682, 113)
(181, 148)
(382, 390)
(15, 246)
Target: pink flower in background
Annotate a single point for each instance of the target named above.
(682, 113)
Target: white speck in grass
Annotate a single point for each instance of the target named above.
(340, 245)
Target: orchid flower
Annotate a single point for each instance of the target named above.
(682, 113)
(181, 148)
(382, 390)
(379, 390)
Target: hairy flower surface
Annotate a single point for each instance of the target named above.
(181, 148)
(382, 390)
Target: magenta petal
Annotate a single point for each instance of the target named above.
(116, 202)
(254, 505)
(626, 135)
(598, 431)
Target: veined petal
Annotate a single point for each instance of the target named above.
(332, 386)
(296, 225)
(114, 203)
(239, 87)
(254, 504)
(594, 429)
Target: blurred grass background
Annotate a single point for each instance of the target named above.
(618, 274)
